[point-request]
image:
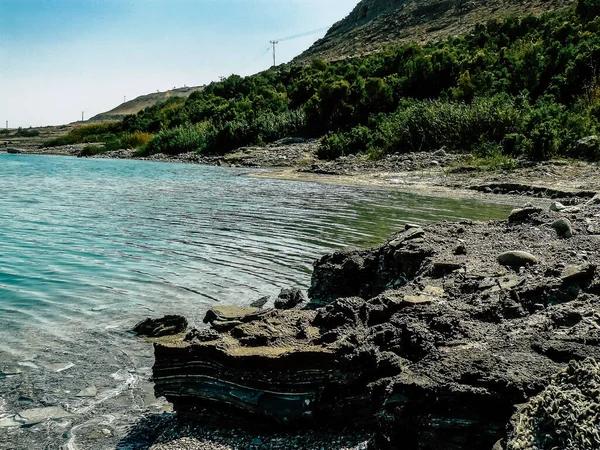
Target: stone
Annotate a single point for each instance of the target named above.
(289, 298)
(9, 422)
(564, 415)
(229, 313)
(563, 227)
(91, 391)
(410, 233)
(38, 415)
(578, 273)
(460, 250)
(260, 303)
(522, 214)
(517, 258)
(165, 326)
(60, 367)
(557, 207)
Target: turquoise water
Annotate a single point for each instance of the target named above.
(89, 247)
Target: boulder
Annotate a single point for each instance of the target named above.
(520, 214)
(563, 227)
(289, 298)
(165, 326)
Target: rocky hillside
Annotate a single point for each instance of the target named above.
(143, 101)
(374, 24)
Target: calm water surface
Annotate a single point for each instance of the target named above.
(90, 247)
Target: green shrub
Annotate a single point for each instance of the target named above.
(429, 125)
(182, 139)
(334, 145)
(588, 9)
(27, 132)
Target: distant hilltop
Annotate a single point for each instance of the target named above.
(374, 24)
(143, 101)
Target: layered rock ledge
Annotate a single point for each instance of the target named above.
(431, 338)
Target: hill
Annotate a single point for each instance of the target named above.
(374, 24)
(143, 101)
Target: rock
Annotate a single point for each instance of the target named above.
(91, 391)
(429, 349)
(587, 146)
(517, 258)
(460, 250)
(61, 367)
(578, 273)
(557, 206)
(565, 415)
(38, 415)
(229, 313)
(13, 151)
(260, 303)
(563, 227)
(165, 326)
(9, 422)
(441, 153)
(289, 298)
(521, 214)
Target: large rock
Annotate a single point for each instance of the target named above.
(566, 415)
(289, 298)
(563, 227)
(432, 348)
(165, 326)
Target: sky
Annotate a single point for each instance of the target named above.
(61, 57)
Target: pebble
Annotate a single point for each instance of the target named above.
(557, 206)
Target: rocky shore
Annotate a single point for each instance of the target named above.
(428, 341)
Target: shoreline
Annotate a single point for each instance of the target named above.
(438, 174)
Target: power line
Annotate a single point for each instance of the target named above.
(295, 36)
(307, 33)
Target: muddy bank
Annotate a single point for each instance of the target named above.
(428, 341)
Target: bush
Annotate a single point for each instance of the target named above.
(97, 132)
(136, 139)
(27, 132)
(429, 125)
(91, 150)
(588, 9)
(182, 139)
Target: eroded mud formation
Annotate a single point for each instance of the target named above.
(431, 338)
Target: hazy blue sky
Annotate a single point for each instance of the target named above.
(61, 57)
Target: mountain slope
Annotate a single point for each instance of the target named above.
(143, 101)
(373, 24)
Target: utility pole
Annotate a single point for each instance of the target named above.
(124, 99)
(82, 115)
(274, 44)
(7, 124)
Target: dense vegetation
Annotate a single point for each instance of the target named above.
(518, 86)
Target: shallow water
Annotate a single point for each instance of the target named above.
(90, 247)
